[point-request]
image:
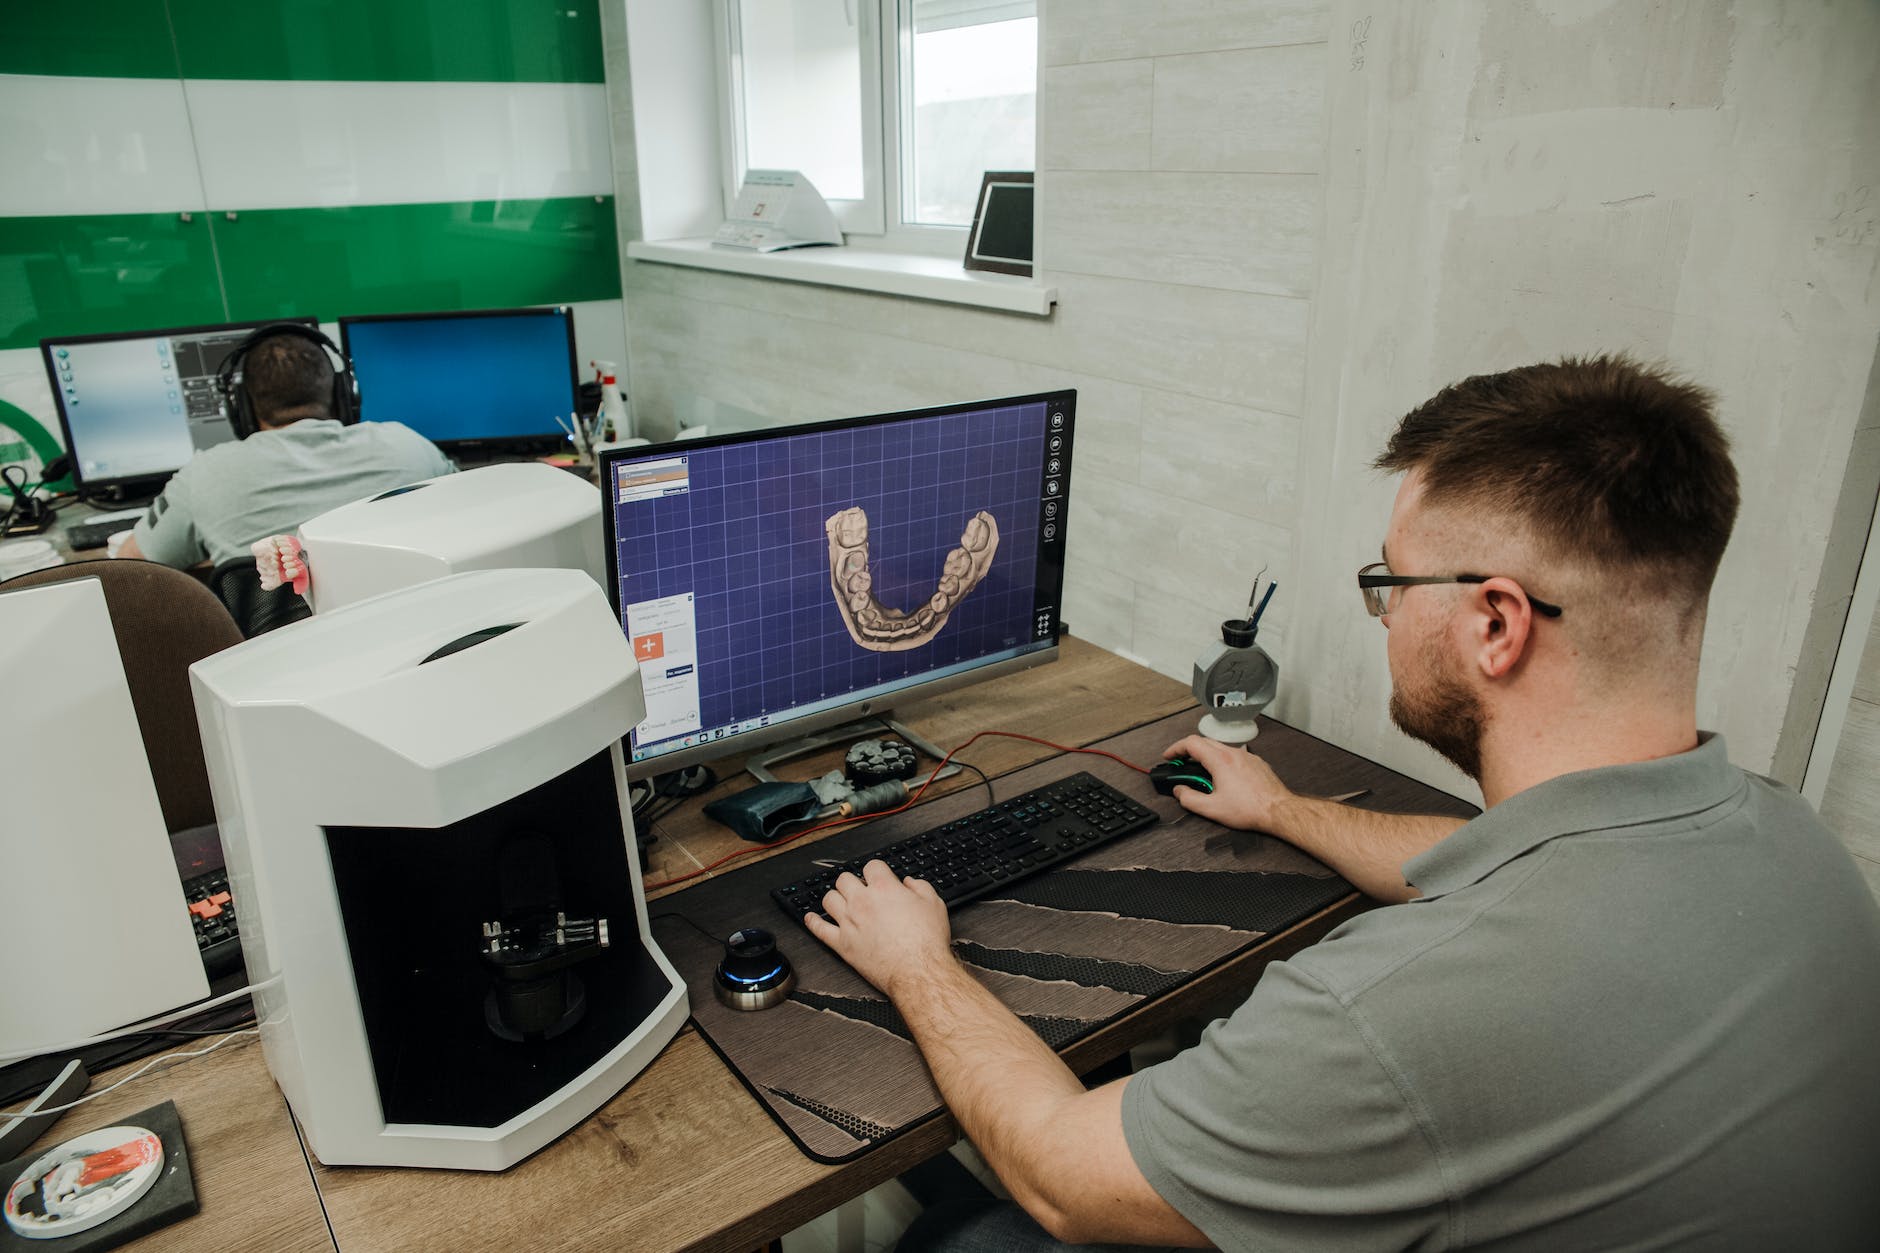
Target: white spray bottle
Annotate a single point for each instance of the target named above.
(613, 425)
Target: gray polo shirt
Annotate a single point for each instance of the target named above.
(1636, 1007)
(228, 496)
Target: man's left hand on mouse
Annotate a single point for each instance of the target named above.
(887, 928)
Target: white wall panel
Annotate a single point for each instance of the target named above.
(94, 145)
(283, 145)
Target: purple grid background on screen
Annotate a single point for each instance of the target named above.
(747, 541)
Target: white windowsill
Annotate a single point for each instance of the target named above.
(891, 273)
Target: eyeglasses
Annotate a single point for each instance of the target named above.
(1376, 580)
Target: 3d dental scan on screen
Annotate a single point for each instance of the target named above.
(778, 582)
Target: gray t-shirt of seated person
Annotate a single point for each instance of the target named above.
(1636, 1007)
(227, 497)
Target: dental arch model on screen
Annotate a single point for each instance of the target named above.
(873, 625)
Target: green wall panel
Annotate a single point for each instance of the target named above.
(418, 257)
(475, 41)
(115, 272)
(93, 38)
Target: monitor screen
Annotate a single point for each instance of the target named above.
(455, 378)
(137, 406)
(777, 582)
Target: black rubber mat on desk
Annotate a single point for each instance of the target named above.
(1068, 951)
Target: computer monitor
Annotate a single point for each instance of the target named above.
(135, 406)
(498, 377)
(775, 583)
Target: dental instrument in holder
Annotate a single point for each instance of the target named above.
(1235, 679)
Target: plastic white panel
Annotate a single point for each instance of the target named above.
(77, 850)
(286, 145)
(95, 145)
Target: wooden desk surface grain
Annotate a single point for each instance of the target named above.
(252, 1178)
(1085, 696)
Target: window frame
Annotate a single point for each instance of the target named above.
(876, 222)
(866, 216)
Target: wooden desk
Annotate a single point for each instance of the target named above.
(684, 1159)
(252, 1177)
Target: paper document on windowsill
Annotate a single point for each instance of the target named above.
(758, 237)
(777, 209)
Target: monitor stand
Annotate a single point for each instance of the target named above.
(848, 732)
(133, 494)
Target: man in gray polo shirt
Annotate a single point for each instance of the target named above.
(1634, 1004)
(299, 462)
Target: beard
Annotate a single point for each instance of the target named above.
(1441, 711)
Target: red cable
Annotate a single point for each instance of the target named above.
(909, 803)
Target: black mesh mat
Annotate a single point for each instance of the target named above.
(1068, 951)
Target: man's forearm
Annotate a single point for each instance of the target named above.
(1000, 1080)
(1367, 848)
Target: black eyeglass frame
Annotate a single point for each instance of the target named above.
(1367, 581)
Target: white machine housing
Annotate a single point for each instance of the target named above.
(340, 744)
(495, 517)
(95, 932)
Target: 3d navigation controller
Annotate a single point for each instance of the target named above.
(752, 974)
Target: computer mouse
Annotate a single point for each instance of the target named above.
(1164, 776)
(753, 974)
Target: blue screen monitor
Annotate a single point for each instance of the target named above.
(135, 406)
(493, 376)
(778, 582)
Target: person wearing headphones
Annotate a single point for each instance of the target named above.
(300, 451)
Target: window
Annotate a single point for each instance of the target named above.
(968, 79)
(893, 108)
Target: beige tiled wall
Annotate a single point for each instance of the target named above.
(1408, 194)
(1178, 154)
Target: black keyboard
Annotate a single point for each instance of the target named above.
(81, 535)
(977, 855)
(212, 909)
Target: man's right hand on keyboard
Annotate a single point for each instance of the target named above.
(1246, 791)
(889, 929)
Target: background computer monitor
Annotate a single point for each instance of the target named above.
(135, 406)
(491, 376)
(731, 565)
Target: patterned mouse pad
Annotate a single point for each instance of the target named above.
(1069, 950)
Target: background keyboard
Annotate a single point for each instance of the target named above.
(976, 855)
(212, 909)
(95, 533)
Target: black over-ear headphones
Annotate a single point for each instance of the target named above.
(235, 398)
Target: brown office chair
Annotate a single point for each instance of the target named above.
(164, 620)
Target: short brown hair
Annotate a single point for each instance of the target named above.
(1606, 460)
(285, 373)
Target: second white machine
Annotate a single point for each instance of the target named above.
(424, 808)
(495, 517)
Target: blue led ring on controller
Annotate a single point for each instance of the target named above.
(752, 974)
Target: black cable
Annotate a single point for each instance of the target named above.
(673, 913)
(20, 1079)
(21, 497)
(991, 800)
(672, 789)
